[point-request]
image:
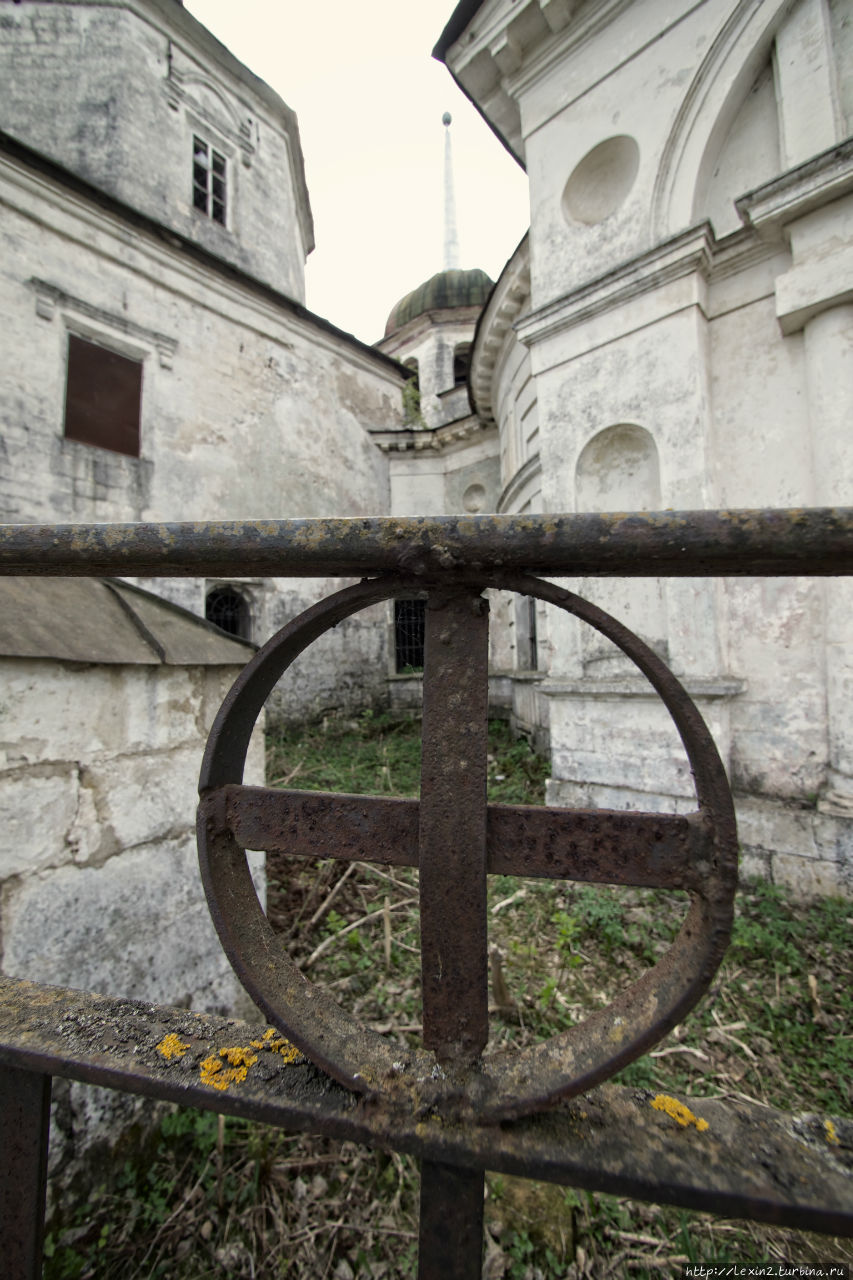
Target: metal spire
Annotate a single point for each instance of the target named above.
(451, 239)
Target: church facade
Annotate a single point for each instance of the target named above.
(677, 332)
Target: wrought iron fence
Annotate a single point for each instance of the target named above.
(458, 1111)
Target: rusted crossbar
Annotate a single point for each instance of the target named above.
(539, 1111)
(751, 1161)
(635, 544)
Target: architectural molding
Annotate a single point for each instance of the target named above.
(772, 207)
(742, 44)
(692, 252)
(637, 687)
(686, 254)
(49, 297)
(492, 49)
(507, 300)
(438, 439)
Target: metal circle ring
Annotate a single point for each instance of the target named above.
(506, 1084)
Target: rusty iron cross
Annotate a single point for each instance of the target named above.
(456, 839)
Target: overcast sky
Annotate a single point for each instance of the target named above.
(370, 98)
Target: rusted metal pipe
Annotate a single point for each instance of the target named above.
(636, 544)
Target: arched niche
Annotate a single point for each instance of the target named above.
(619, 470)
(746, 157)
(721, 85)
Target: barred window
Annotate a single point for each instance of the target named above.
(103, 397)
(409, 621)
(228, 610)
(209, 181)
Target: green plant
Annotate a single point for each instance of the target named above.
(412, 416)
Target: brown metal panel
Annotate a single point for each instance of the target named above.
(103, 396)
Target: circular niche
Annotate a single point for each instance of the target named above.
(600, 182)
(474, 498)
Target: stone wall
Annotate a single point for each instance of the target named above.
(99, 882)
(98, 790)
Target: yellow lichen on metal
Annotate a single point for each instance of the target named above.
(237, 1056)
(678, 1111)
(171, 1047)
(276, 1043)
(240, 1057)
(213, 1073)
(831, 1135)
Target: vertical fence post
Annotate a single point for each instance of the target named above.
(451, 1223)
(452, 863)
(24, 1128)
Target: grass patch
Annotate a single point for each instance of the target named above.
(226, 1197)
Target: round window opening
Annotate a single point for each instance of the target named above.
(228, 610)
(600, 182)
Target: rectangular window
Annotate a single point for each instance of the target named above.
(103, 397)
(527, 646)
(409, 623)
(208, 181)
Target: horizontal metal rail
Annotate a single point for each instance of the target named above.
(816, 540)
(740, 1159)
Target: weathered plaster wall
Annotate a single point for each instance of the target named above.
(99, 881)
(116, 93)
(247, 410)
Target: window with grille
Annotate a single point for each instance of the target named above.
(103, 397)
(409, 619)
(209, 181)
(228, 610)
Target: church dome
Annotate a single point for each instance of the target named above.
(446, 290)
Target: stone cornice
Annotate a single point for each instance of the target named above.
(695, 251)
(489, 48)
(773, 206)
(685, 254)
(436, 439)
(507, 300)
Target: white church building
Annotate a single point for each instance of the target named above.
(676, 331)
